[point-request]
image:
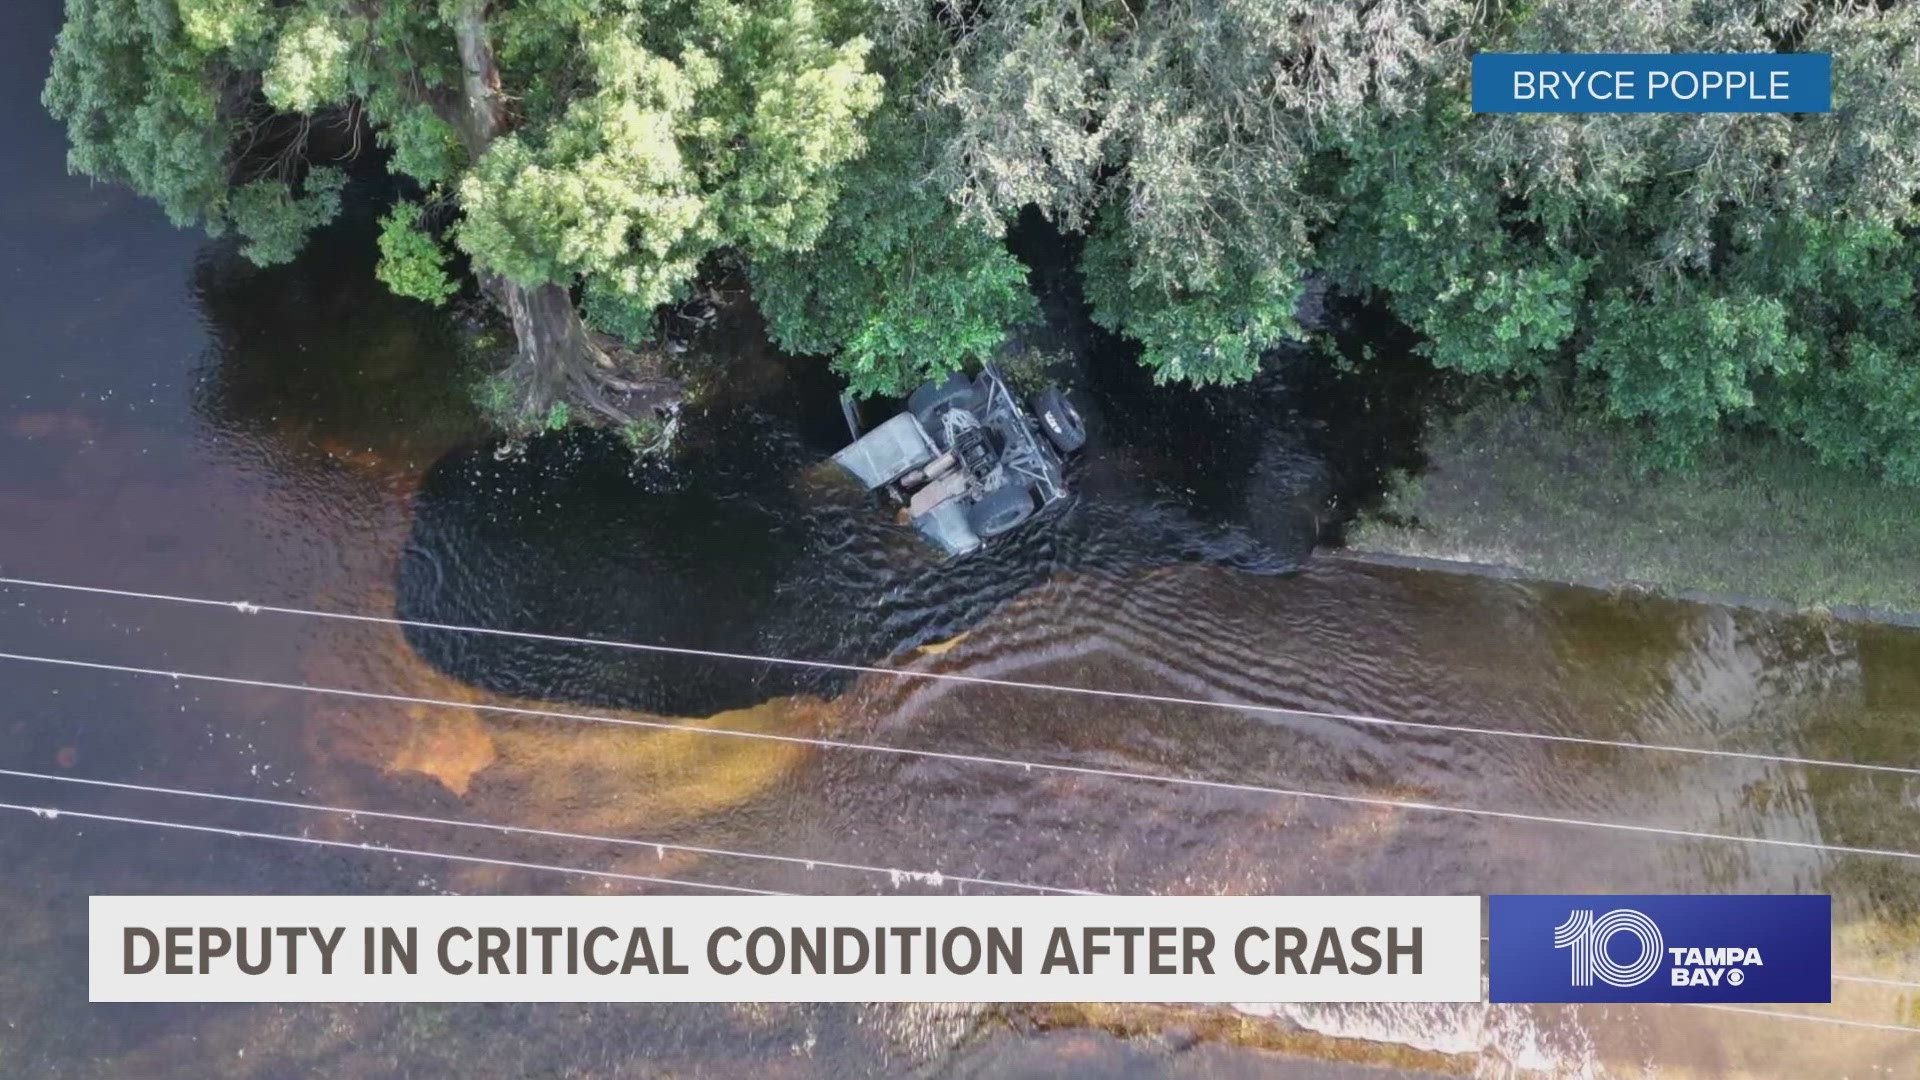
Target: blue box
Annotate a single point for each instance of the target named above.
(1660, 948)
(1652, 82)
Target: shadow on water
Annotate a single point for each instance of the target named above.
(316, 359)
(746, 542)
(1309, 441)
(749, 544)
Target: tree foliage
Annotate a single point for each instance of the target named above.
(603, 146)
(412, 262)
(155, 96)
(898, 286)
(1183, 134)
(1682, 272)
(707, 125)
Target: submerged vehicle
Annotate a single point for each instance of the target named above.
(967, 459)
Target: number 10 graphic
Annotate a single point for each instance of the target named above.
(1587, 937)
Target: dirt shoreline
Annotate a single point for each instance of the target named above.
(1523, 491)
(1853, 613)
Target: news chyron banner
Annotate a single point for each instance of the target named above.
(1209, 949)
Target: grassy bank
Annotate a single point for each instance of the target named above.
(1522, 487)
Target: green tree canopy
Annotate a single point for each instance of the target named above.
(598, 146)
(1677, 271)
(898, 287)
(1681, 272)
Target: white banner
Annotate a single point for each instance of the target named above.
(785, 948)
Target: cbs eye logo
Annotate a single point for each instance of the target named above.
(1588, 938)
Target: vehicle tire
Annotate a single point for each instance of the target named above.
(1060, 420)
(928, 402)
(1001, 510)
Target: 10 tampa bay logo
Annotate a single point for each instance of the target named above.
(1590, 946)
(1660, 948)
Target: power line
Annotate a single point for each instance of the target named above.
(1900, 983)
(245, 607)
(54, 813)
(1903, 1028)
(896, 874)
(249, 608)
(983, 759)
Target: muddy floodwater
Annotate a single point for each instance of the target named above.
(175, 421)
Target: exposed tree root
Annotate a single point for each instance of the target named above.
(563, 372)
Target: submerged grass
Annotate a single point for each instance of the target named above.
(1186, 1024)
(1522, 486)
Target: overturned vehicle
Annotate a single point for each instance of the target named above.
(966, 459)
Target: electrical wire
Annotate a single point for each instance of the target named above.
(1843, 1022)
(984, 759)
(54, 813)
(893, 873)
(245, 607)
(250, 608)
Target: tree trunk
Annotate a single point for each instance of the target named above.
(556, 361)
(479, 78)
(559, 363)
(552, 342)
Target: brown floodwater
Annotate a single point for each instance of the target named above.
(173, 420)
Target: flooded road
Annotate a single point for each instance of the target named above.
(174, 421)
